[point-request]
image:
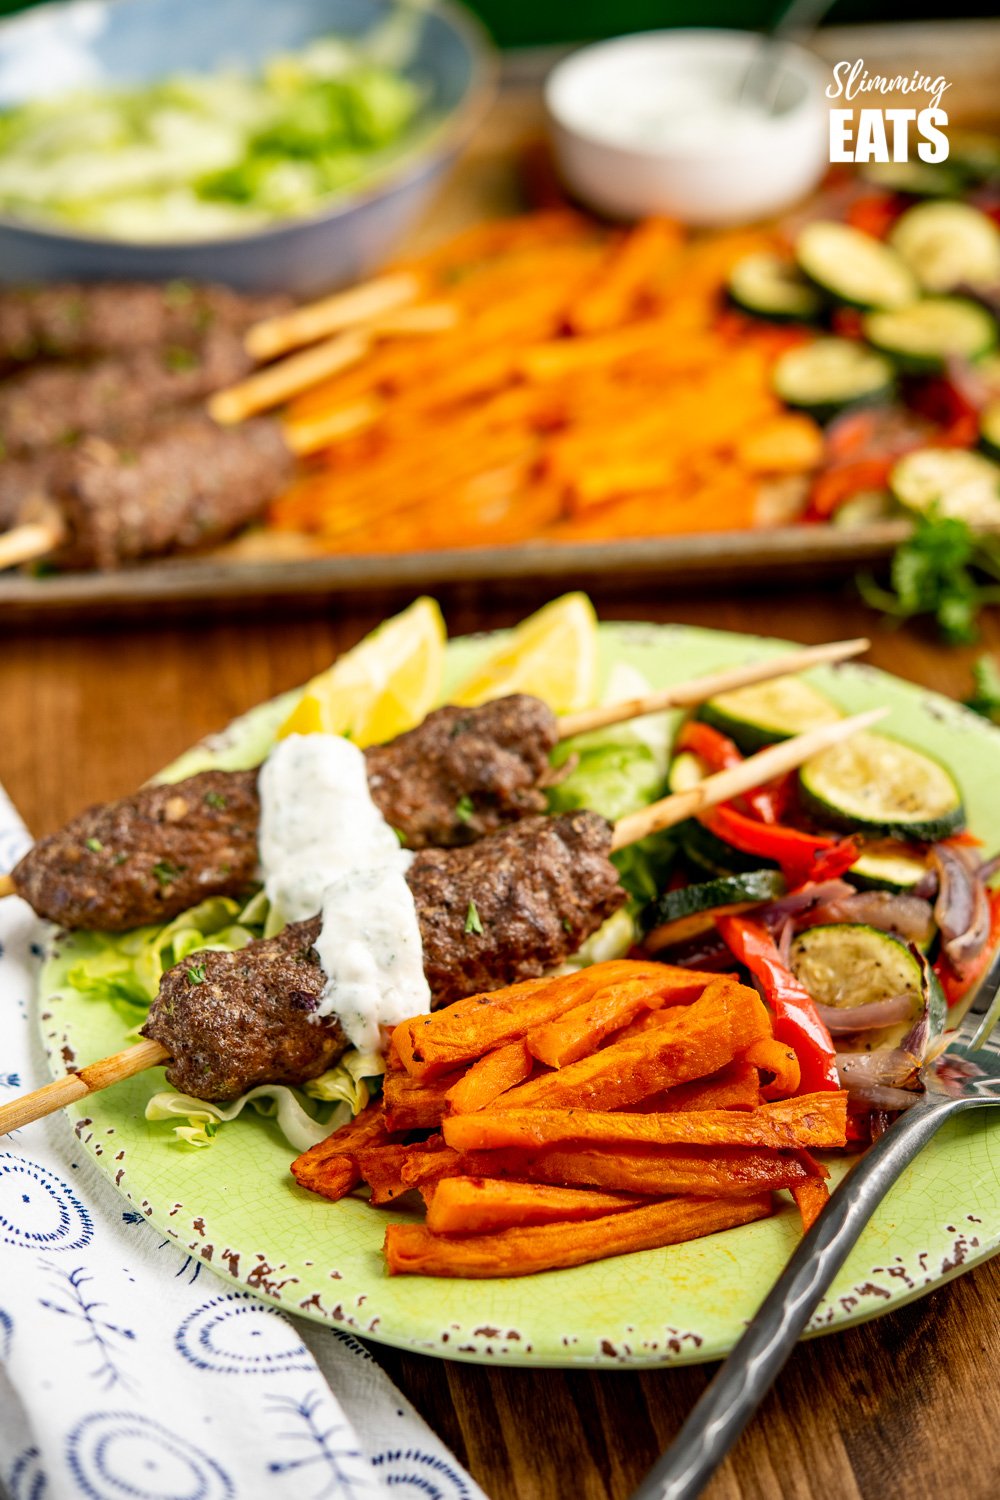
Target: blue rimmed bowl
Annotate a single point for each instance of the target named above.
(121, 42)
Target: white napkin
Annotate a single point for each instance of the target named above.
(127, 1370)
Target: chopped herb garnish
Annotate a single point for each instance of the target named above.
(472, 922)
(95, 846)
(216, 800)
(196, 974)
(464, 809)
(939, 571)
(400, 834)
(459, 727)
(567, 924)
(179, 359)
(119, 859)
(165, 873)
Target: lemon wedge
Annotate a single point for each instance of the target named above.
(552, 654)
(384, 685)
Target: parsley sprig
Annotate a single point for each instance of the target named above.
(938, 571)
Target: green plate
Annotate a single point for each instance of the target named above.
(235, 1206)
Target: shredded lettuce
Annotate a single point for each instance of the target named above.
(348, 1087)
(618, 770)
(129, 966)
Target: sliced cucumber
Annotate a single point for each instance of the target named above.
(686, 771)
(879, 785)
(848, 964)
(712, 855)
(948, 245)
(768, 711)
(824, 377)
(766, 286)
(889, 866)
(952, 480)
(989, 429)
(679, 916)
(854, 267)
(922, 338)
(863, 509)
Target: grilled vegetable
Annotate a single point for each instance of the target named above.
(768, 711)
(875, 784)
(679, 916)
(766, 286)
(707, 852)
(853, 267)
(948, 245)
(956, 483)
(922, 338)
(824, 377)
(847, 965)
(889, 866)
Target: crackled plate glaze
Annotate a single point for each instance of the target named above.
(235, 1206)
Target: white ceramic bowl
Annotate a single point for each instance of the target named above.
(645, 125)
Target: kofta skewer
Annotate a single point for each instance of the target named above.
(461, 774)
(227, 1021)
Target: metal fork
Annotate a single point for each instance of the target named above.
(965, 1076)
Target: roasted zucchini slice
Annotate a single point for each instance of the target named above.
(854, 267)
(768, 711)
(848, 964)
(766, 286)
(989, 429)
(948, 245)
(889, 866)
(705, 851)
(679, 916)
(953, 481)
(879, 785)
(923, 338)
(825, 377)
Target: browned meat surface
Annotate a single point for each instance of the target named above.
(79, 322)
(233, 1020)
(52, 405)
(191, 484)
(537, 889)
(465, 772)
(147, 857)
(495, 756)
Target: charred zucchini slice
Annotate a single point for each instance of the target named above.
(679, 916)
(953, 481)
(948, 245)
(922, 338)
(848, 964)
(854, 267)
(768, 711)
(825, 377)
(766, 286)
(879, 785)
(889, 866)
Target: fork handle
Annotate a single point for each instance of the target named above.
(743, 1381)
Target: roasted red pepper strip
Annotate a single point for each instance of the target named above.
(719, 752)
(956, 985)
(796, 1020)
(802, 856)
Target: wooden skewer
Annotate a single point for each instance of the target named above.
(76, 1086)
(764, 766)
(700, 689)
(318, 320)
(684, 695)
(277, 383)
(773, 761)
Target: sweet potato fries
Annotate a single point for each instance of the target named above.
(592, 384)
(571, 1118)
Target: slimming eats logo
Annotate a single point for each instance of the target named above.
(877, 134)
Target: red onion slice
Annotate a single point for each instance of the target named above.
(881, 1096)
(842, 1020)
(886, 1065)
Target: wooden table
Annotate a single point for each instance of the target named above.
(906, 1405)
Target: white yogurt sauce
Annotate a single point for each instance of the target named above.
(325, 847)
